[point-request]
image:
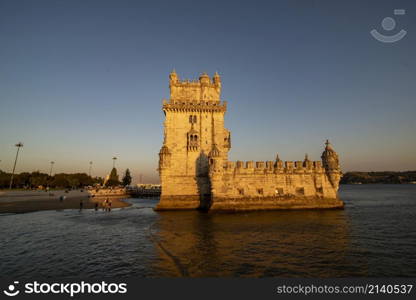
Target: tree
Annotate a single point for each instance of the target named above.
(38, 179)
(60, 181)
(127, 178)
(113, 178)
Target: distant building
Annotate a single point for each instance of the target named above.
(194, 168)
(148, 186)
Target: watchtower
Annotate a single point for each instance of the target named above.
(194, 123)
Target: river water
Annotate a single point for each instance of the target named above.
(374, 236)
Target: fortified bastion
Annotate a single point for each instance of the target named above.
(195, 172)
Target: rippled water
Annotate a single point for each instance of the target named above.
(374, 236)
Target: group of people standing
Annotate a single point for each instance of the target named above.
(107, 205)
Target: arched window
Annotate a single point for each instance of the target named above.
(192, 141)
(192, 119)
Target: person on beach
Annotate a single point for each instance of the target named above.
(105, 204)
(81, 204)
(96, 206)
(109, 205)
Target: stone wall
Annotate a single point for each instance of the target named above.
(272, 185)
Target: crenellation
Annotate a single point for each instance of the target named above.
(317, 166)
(230, 165)
(249, 164)
(299, 165)
(288, 166)
(308, 165)
(260, 165)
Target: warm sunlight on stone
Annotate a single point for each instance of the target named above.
(195, 171)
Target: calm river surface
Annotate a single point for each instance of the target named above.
(374, 236)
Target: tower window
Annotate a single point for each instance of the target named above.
(300, 191)
(192, 141)
(279, 191)
(192, 119)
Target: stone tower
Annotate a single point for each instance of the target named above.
(193, 127)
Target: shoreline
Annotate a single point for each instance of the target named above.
(24, 202)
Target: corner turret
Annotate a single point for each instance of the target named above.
(204, 79)
(329, 157)
(330, 162)
(164, 157)
(216, 79)
(173, 77)
(215, 161)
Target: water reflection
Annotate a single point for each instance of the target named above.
(374, 236)
(256, 244)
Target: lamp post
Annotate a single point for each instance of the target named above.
(50, 171)
(114, 162)
(89, 171)
(18, 145)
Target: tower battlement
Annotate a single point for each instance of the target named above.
(286, 167)
(204, 89)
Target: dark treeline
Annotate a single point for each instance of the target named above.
(36, 179)
(379, 177)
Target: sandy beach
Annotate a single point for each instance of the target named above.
(29, 201)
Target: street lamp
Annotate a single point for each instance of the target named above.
(18, 145)
(50, 172)
(114, 162)
(89, 172)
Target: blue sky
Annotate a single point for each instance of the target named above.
(83, 81)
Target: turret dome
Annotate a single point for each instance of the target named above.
(329, 151)
(173, 76)
(164, 150)
(204, 78)
(330, 157)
